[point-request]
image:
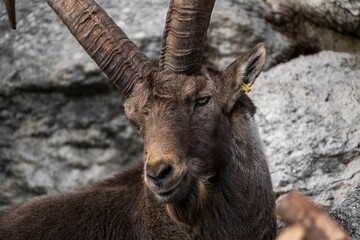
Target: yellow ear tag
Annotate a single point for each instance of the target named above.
(245, 87)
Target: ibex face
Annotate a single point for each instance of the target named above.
(177, 117)
(181, 118)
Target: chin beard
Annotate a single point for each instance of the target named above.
(188, 210)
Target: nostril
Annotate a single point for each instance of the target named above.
(165, 171)
(160, 173)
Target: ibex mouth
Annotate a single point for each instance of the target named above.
(172, 193)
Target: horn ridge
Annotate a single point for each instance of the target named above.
(180, 52)
(179, 69)
(117, 56)
(184, 35)
(10, 9)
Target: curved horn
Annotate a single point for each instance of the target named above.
(185, 34)
(10, 9)
(104, 41)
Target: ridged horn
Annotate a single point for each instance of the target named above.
(104, 41)
(185, 35)
(10, 9)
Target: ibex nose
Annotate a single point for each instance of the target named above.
(158, 172)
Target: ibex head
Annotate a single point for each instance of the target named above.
(182, 117)
(184, 110)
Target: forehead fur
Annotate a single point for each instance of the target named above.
(171, 87)
(179, 86)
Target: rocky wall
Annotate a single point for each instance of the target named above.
(308, 116)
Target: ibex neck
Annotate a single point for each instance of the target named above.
(242, 202)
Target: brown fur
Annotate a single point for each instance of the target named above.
(217, 168)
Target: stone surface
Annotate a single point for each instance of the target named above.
(308, 116)
(237, 26)
(55, 141)
(343, 15)
(347, 212)
(315, 25)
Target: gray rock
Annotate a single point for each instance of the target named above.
(308, 115)
(237, 26)
(318, 25)
(347, 212)
(54, 142)
(343, 15)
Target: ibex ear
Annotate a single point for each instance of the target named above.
(242, 73)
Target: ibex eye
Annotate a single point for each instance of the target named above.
(202, 101)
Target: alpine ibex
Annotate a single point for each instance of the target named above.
(204, 174)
